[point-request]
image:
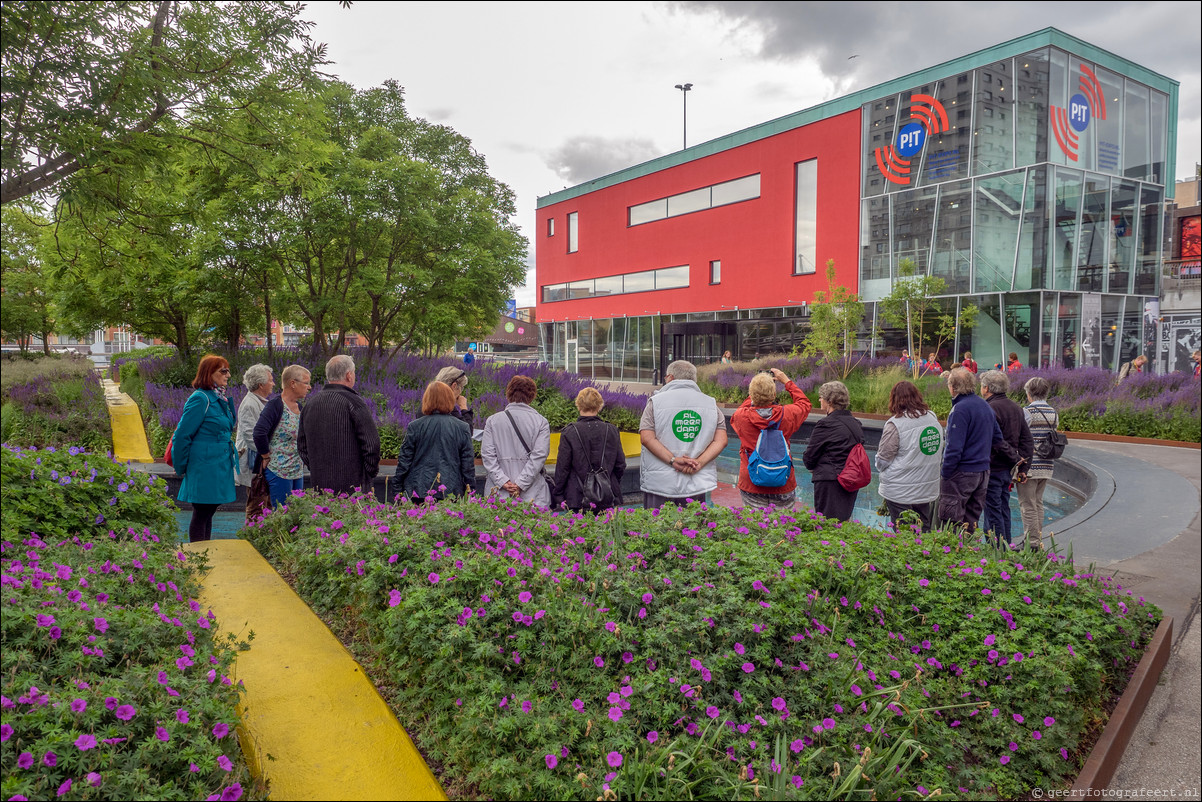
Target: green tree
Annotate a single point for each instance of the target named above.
(405, 238)
(834, 321)
(929, 320)
(143, 263)
(88, 88)
(28, 309)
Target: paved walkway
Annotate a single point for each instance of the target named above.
(129, 436)
(312, 723)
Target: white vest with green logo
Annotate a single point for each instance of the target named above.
(686, 420)
(913, 476)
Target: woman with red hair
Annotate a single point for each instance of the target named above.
(202, 449)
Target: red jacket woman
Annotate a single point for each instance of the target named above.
(757, 413)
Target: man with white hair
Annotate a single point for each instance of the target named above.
(1014, 451)
(682, 431)
(338, 439)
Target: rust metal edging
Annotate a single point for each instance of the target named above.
(1103, 761)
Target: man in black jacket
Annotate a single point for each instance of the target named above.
(1016, 448)
(338, 439)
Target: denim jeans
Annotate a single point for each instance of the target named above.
(281, 488)
(997, 506)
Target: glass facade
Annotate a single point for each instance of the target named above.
(1034, 187)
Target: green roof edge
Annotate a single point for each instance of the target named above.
(1044, 38)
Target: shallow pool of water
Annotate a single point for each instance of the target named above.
(1056, 502)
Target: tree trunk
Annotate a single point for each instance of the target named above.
(267, 312)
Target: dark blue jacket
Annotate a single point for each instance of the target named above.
(972, 432)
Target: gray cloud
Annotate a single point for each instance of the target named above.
(891, 39)
(584, 158)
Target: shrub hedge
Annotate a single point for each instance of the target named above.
(710, 652)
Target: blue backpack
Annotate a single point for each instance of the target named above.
(770, 464)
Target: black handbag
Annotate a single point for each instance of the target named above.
(258, 497)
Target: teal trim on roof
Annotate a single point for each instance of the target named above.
(1015, 47)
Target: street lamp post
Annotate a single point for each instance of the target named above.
(684, 93)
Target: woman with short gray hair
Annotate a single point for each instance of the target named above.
(1043, 421)
(456, 378)
(830, 445)
(259, 383)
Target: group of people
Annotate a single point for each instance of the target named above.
(969, 469)
(334, 436)
(953, 475)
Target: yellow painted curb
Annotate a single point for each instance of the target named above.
(631, 445)
(312, 723)
(129, 435)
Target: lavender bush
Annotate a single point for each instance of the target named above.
(393, 390)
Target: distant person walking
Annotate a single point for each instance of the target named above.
(932, 366)
(758, 413)
(1196, 358)
(1011, 455)
(590, 445)
(259, 383)
(202, 447)
(682, 431)
(972, 430)
(436, 456)
(337, 438)
(830, 445)
(515, 446)
(909, 456)
(1015, 364)
(1043, 421)
(276, 433)
(1136, 365)
(969, 363)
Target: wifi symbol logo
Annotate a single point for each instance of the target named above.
(1084, 106)
(894, 160)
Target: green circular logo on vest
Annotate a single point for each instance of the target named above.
(929, 441)
(686, 425)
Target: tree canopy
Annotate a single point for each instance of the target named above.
(88, 86)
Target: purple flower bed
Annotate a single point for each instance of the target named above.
(114, 685)
(570, 658)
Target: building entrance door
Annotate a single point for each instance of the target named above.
(572, 356)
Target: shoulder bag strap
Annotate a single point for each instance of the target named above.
(584, 450)
(853, 431)
(518, 432)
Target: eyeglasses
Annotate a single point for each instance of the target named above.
(224, 371)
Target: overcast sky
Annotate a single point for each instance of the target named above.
(554, 94)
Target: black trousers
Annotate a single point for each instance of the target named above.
(201, 526)
(923, 511)
(831, 500)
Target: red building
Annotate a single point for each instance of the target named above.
(1030, 176)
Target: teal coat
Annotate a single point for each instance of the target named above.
(202, 449)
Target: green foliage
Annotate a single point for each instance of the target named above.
(835, 319)
(771, 655)
(90, 89)
(92, 624)
(18, 369)
(914, 305)
(28, 309)
(59, 409)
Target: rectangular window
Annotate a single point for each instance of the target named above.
(649, 212)
(573, 232)
(805, 255)
(670, 278)
(696, 200)
(608, 285)
(687, 202)
(740, 189)
(716, 272)
(550, 226)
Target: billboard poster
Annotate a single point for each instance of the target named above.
(1091, 327)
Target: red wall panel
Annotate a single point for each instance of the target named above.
(754, 239)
